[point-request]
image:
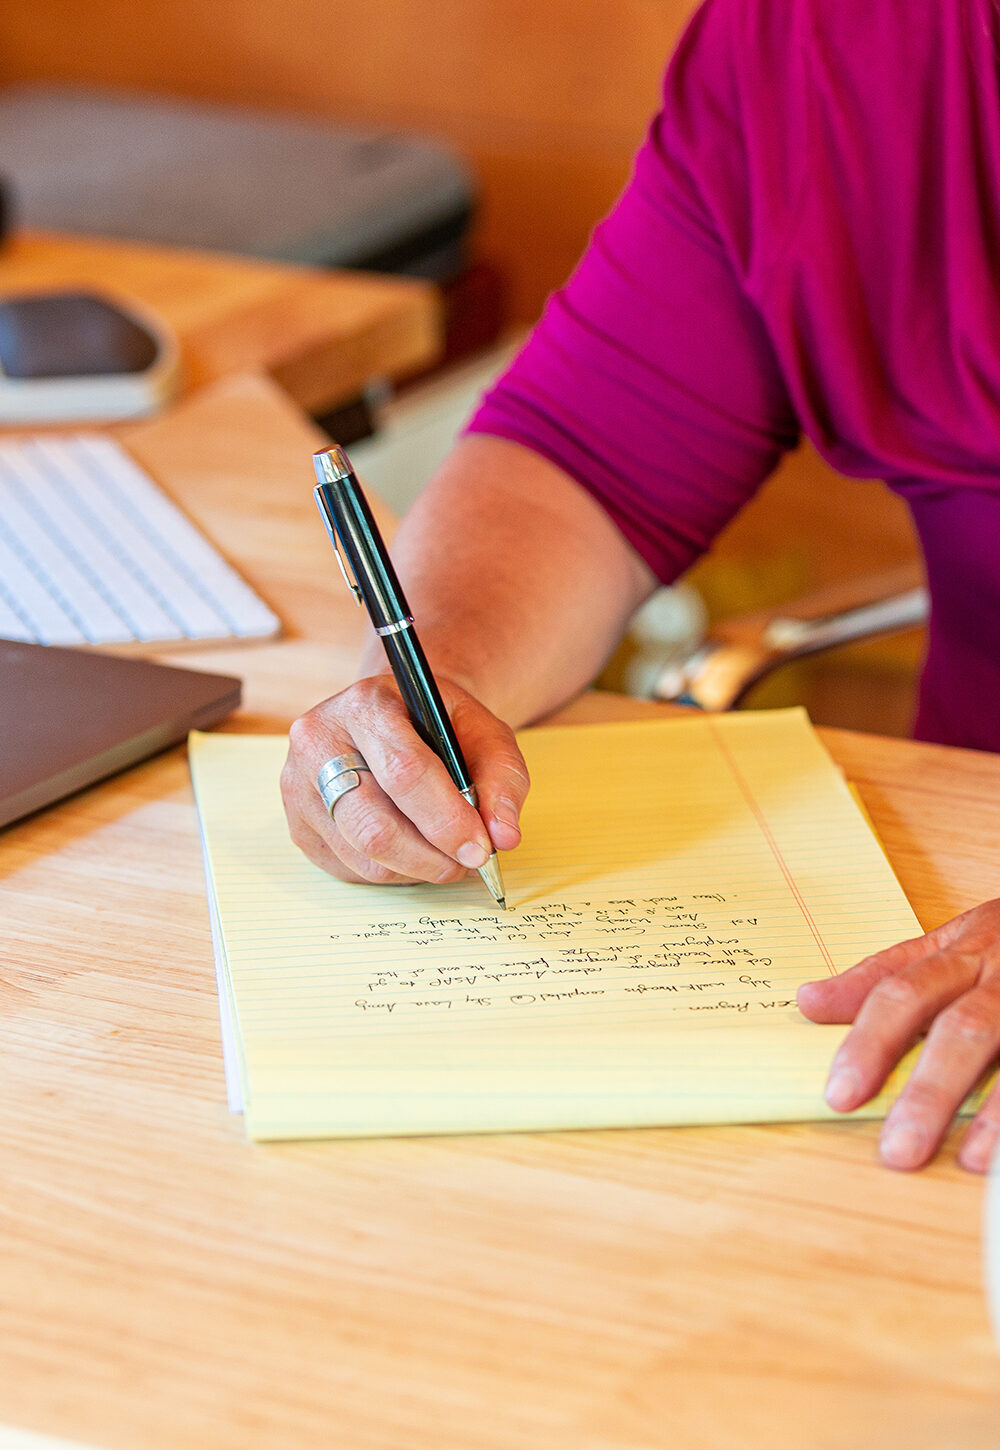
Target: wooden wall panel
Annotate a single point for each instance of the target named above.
(546, 98)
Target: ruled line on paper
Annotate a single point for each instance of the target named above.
(674, 879)
(768, 836)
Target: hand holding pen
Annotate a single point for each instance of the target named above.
(377, 787)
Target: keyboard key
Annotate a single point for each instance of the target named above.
(178, 539)
(13, 624)
(50, 482)
(32, 564)
(91, 551)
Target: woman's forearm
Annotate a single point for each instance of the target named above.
(519, 582)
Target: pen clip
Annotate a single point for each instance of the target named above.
(331, 529)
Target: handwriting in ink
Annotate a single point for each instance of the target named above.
(669, 948)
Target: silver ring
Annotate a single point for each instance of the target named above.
(339, 775)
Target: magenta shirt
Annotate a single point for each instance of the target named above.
(810, 241)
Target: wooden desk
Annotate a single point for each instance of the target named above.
(323, 335)
(166, 1285)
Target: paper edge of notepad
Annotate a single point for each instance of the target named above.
(766, 1106)
(369, 1102)
(232, 1057)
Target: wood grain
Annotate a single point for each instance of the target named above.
(322, 335)
(165, 1284)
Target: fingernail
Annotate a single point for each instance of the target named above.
(506, 811)
(904, 1145)
(472, 854)
(843, 1090)
(977, 1149)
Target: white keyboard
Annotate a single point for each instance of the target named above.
(92, 552)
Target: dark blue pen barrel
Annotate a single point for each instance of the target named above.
(388, 610)
(423, 702)
(362, 543)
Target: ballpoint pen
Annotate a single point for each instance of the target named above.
(368, 572)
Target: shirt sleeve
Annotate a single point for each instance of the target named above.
(650, 378)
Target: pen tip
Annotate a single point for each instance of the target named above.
(493, 881)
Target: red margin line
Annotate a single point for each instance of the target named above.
(751, 801)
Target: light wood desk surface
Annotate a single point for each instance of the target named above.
(323, 335)
(165, 1285)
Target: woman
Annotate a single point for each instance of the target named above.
(810, 242)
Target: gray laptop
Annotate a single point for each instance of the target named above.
(70, 717)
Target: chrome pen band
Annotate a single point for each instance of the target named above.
(397, 626)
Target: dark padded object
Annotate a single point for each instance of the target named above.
(71, 335)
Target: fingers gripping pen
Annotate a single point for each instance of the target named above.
(368, 572)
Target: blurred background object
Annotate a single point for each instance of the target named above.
(283, 188)
(545, 102)
(544, 105)
(5, 208)
(68, 357)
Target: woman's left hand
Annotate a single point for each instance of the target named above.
(945, 984)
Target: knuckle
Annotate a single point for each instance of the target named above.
(970, 1022)
(373, 689)
(889, 954)
(304, 734)
(960, 929)
(301, 836)
(401, 771)
(925, 1098)
(376, 874)
(897, 991)
(373, 701)
(448, 826)
(334, 866)
(373, 834)
(989, 1114)
(451, 872)
(286, 782)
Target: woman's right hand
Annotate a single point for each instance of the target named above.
(406, 821)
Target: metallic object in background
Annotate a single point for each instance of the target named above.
(718, 672)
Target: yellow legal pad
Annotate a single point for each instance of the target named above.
(676, 882)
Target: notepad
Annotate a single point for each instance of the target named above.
(676, 882)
